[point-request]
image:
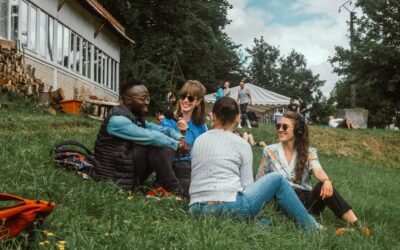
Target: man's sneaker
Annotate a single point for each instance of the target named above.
(240, 125)
(160, 192)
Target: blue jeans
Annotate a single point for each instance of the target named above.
(250, 201)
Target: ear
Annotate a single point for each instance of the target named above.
(237, 119)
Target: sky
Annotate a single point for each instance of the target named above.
(311, 27)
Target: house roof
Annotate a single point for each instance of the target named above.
(100, 11)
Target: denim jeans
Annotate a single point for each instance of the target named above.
(250, 201)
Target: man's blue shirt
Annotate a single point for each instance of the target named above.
(153, 134)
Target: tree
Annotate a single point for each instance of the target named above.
(373, 65)
(189, 30)
(288, 75)
(264, 63)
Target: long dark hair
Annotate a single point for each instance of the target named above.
(196, 89)
(302, 142)
(226, 109)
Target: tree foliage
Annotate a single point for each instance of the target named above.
(286, 75)
(189, 30)
(373, 65)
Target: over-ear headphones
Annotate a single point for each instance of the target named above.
(299, 128)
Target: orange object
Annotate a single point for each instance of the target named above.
(18, 217)
(72, 107)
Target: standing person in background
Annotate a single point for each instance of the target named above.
(294, 107)
(244, 99)
(302, 106)
(189, 118)
(220, 93)
(227, 90)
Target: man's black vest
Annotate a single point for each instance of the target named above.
(114, 157)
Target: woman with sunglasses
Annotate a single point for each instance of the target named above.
(295, 160)
(189, 118)
(190, 115)
(222, 176)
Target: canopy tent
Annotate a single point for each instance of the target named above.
(264, 101)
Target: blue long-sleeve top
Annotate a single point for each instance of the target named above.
(152, 134)
(192, 133)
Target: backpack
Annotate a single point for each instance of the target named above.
(77, 160)
(253, 119)
(16, 218)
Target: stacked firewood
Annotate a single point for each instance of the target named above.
(15, 75)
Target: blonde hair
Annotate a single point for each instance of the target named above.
(196, 89)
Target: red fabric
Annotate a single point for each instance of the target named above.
(17, 218)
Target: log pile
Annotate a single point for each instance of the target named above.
(15, 75)
(18, 77)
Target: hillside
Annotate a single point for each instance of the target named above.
(363, 164)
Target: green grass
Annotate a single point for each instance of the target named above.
(92, 215)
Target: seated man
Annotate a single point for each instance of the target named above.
(340, 123)
(128, 148)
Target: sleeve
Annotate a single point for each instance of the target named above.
(246, 169)
(169, 123)
(168, 131)
(122, 127)
(313, 161)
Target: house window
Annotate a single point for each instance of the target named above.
(66, 43)
(59, 44)
(71, 51)
(78, 55)
(24, 24)
(112, 74)
(14, 19)
(99, 66)
(42, 33)
(4, 19)
(50, 39)
(95, 65)
(89, 60)
(32, 28)
(84, 57)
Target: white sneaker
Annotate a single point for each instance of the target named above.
(239, 125)
(248, 124)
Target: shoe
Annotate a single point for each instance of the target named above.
(158, 192)
(346, 230)
(239, 125)
(361, 228)
(248, 124)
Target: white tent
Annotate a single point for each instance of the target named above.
(260, 97)
(264, 101)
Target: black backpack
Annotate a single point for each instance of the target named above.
(69, 157)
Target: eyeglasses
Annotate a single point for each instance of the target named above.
(189, 97)
(284, 126)
(145, 98)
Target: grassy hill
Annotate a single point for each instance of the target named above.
(364, 165)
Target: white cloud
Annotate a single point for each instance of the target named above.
(315, 37)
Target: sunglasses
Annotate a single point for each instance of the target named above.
(284, 126)
(189, 97)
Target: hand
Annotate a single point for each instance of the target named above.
(182, 126)
(326, 190)
(183, 145)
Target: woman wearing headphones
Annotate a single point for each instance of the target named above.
(295, 160)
